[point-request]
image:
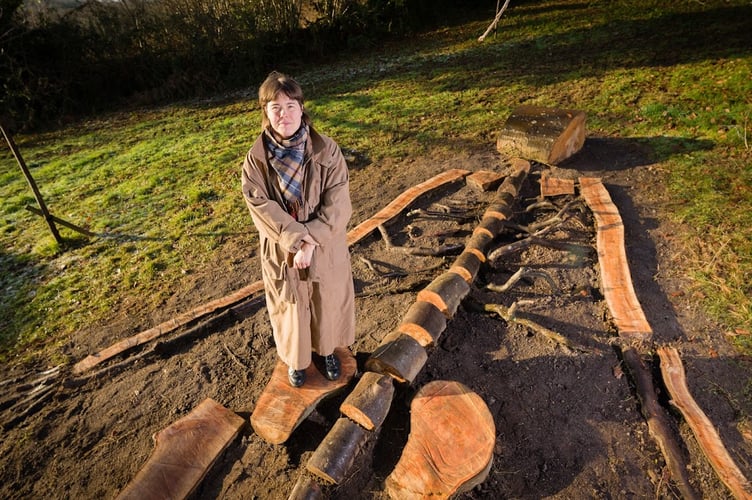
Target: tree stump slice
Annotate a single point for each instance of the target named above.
(281, 407)
(184, 452)
(450, 446)
(554, 186)
(399, 356)
(445, 292)
(548, 135)
(424, 322)
(337, 452)
(484, 180)
(369, 402)
(614, 268)
(401, 202)
(710, 442)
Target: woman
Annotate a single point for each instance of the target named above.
(296, 185)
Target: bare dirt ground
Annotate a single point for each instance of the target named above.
(568, 421)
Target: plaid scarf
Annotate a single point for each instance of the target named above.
(286, 158)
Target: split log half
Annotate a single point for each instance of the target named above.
(614, 268)
(549, 135)
(306, 488)
(467, 265)
(424, 322)
(446, 293)
(710, 442)
(399, 356)
(450, 446)
(281, 407)
(369, 402)
(336, 454)
(184, 452)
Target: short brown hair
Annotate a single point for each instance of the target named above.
(279, 83)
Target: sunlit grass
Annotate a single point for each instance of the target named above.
(161, 186)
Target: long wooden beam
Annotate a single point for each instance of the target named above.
(707, 436)
(612, 256)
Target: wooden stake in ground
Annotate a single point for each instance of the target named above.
(32, 184)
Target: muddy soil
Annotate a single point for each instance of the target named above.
(568, 421)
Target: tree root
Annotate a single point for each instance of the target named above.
(521, 273)
(508, 314)
(435, 252)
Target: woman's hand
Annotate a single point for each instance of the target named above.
(302, 259)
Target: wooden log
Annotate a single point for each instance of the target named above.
(369, 402)
(445, 292)
(484, 180)
(614, 268)
(399, 356)
(553, 186)
(548, 135)
(467, 265)
(658, 423)
(450, 446)
(710, 442)
(493, 222)
(424, 322)
(184, 452)
(281, 407)
(306, 488)
(336, 454)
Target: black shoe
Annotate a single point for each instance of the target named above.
(332, 367)
(296, 377)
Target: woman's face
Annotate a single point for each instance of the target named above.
(285, 115)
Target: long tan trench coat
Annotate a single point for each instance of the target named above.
(313, 310)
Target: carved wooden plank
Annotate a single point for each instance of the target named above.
(617, 280)
(445, 292)
(184, 452)
(554, 186)
(399, 356)
(335, 455)
(368, 404)
(281, 407)
(450, 446)
(401, 202)
(548, 135)
(424, 322)
(710, 442)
